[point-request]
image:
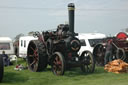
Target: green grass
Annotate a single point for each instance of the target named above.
(72, 77)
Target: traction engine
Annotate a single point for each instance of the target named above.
(59, 49)
(119, 48)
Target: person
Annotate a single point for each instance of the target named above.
(5, 59)
(108, 53)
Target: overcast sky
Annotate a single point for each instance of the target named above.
(23, 16)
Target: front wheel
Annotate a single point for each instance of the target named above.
(1, 68)
(58, 64)
(89, 63)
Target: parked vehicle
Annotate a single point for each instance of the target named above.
(6, 44)
(23, 45)
(89, 40)
(59, 49)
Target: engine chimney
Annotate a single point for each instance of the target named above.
(71, 9)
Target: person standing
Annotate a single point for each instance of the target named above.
(108, 53)
(5, 59)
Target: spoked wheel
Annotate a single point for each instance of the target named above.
(89, 63)
(99, 53)
(36, 56)
(120, 54)
(1, 68)
(58, 64)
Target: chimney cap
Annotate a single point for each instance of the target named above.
(71, 5)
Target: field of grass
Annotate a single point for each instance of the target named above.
(72, 77)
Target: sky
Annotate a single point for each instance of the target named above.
(23, 16)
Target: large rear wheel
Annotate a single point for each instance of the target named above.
(58, 64)
(1, 68)
(89, 63)
(36, 56)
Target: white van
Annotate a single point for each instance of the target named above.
(6, 44)
(23, 45)
(89, 40)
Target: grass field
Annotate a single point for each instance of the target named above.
(72, 77)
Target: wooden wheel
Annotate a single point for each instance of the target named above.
(58, 64)
(89, 64)
(36, 56)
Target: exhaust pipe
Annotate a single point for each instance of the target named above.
(71, 10)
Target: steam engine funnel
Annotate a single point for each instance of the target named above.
(71, 10)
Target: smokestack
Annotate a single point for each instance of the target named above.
(71, 10)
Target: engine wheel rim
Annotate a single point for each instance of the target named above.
(37, 57)
(120, 54)
(89, 66)
(99, 53)
(58, 65)
(33, 58)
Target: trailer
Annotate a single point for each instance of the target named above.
(23, 45)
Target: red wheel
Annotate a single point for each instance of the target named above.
(36, 56)
(58, 64)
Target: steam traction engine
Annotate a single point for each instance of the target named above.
(59, 49)
(119, 51)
